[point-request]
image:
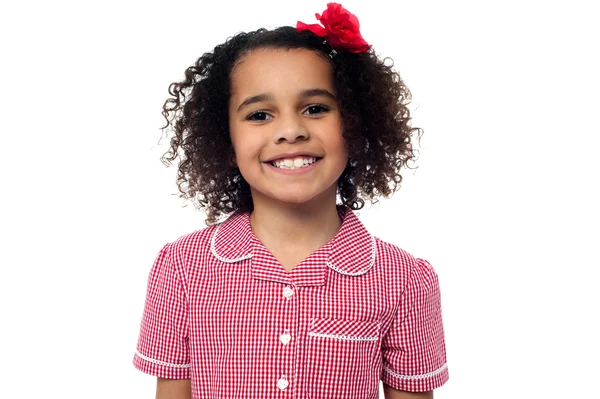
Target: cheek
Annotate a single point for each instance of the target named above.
(338, 143)
(246, 146)
(236, 134)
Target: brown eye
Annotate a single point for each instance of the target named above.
(258, 116)
(316, 109)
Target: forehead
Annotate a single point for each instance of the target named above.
(277, 70)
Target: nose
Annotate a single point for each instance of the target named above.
(290, 128)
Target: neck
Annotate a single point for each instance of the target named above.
(305, 225)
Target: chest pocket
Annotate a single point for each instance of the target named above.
(342, 357)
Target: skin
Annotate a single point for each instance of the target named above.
(391, 393)
(173, 389)
(298, 209)
(270, 114)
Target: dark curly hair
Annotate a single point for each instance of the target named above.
(373, 104)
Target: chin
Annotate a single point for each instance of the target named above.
(296, 195)
(300, 197)
(294, 199)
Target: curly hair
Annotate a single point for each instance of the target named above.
(373, 105)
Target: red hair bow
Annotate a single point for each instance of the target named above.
(341, 28)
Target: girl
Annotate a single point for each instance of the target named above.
(290, 296)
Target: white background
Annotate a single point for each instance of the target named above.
(504, 203)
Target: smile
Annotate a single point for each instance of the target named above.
(294, 163)
(283, 169)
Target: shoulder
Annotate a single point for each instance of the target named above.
(187, 250)
(401, 267)
(194, 241)
(392, 259)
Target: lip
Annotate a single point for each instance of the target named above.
(292, 155)
(306, 169)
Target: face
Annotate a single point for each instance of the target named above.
(286, 127)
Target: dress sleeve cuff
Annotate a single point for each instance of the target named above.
(161, 369)
(415, 383)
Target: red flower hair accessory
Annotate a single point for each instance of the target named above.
(341, 28)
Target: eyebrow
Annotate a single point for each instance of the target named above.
(303, 94)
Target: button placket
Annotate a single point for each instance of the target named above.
(286, 337)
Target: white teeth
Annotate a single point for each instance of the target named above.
(294, 163)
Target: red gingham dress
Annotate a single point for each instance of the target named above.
(221, 310)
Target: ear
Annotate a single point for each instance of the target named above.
(233, 162)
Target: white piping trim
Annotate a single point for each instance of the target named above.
(216, 255)
(343, 337)
(416, 377)
(160, 363)
(360, 273)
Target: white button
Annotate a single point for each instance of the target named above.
(285, 338)
(282, 383)
(288, 292)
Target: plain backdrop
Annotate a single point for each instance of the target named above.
(504, 202)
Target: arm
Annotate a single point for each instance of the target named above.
(391, 393)
(173, 389)
(163, 349)
(413, 349)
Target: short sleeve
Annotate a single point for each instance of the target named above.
(413, 349)
(162, 348)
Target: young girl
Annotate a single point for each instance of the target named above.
(290, 296)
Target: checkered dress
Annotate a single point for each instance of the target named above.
(221, 310)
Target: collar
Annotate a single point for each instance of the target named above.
(350, 252)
